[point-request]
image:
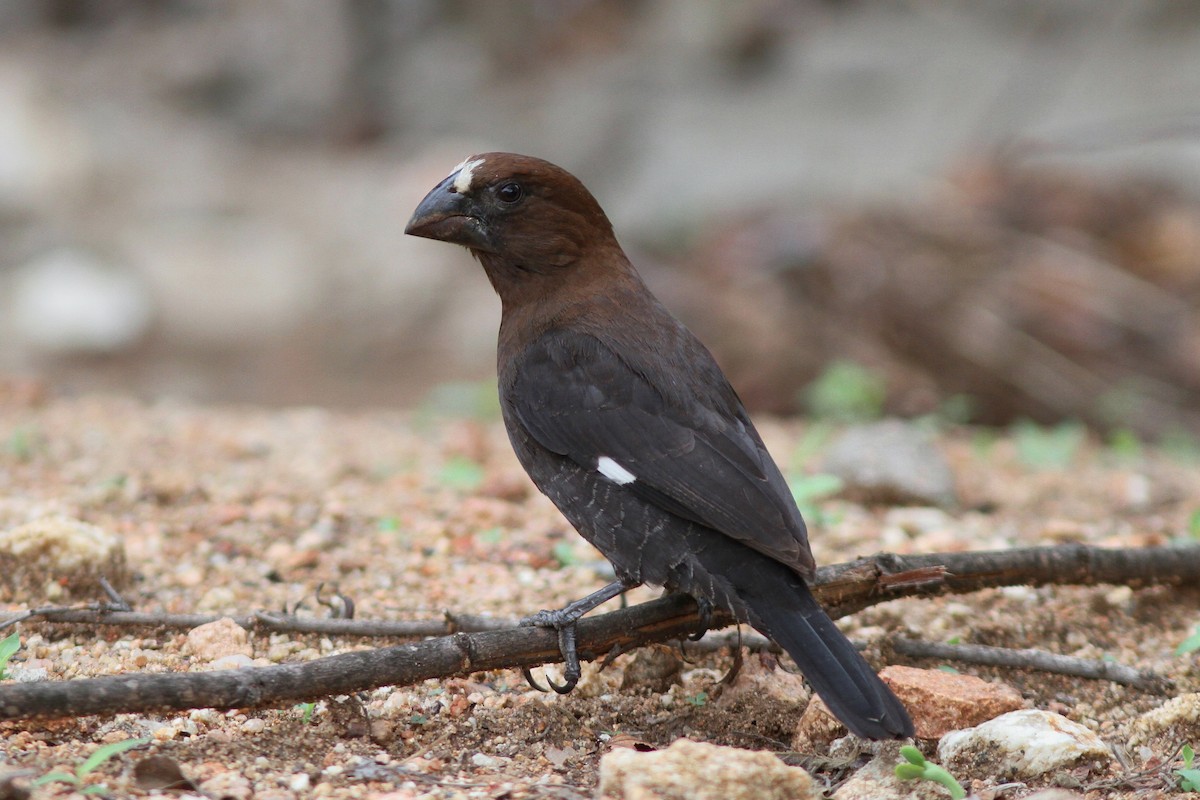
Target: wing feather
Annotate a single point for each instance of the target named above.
(576, 397)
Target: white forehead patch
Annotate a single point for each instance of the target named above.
(465, 170)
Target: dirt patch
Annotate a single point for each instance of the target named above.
(229, 510)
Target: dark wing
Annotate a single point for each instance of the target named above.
(699, 458)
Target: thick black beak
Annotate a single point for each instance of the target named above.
(449, 216)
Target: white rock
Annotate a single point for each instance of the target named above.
(59, 552)
(44, 154)
(690, 770)
(1022, 744)
(1177, 714)
(219, 639)
(68, 301)
(225, 281)
(892, 461)
(484, 761)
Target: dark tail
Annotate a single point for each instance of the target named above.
(782, 607)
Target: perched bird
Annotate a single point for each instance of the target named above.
(625, 421)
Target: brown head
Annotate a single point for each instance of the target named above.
(529, 222)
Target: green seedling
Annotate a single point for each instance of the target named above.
(812, 443)
(808, 489)
(1048, 448)
(698, 699)
(1189, 645)
(461, 473)
(465, 399)
(1180, 445)
(22, 442)
(1189, 776)
(8, 648)
(983, 442)
(957, 409)
(564, 554)
(306, 712)
(918, 768)
(1125, 444)
(846, 392)
(491, 535)
(94, 761)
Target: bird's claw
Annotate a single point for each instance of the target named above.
(564, 624)
(533, 684)
(706, 615)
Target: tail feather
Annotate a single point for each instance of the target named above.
(791, 616)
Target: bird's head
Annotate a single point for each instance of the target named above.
(514, 212)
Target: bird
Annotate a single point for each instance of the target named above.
(624, 419)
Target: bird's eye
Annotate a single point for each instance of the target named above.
(510, 192)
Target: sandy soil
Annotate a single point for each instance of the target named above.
(229, 510)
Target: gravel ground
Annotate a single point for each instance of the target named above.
(231, 510)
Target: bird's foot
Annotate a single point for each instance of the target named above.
(564, 621)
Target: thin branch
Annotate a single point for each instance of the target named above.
(845, 588)
(1032, 659)
(266, 621)
(446, 656)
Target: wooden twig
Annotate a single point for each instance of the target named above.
(844, 588)
(441, 657)
(1032, 659)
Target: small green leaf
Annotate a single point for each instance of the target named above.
(1189, 755)
(50, 777)
(472, 400)
(698, 699)
(388, 524)
(1048, 448)
(1189, 779)
(1189, 645)
(490, 536)
(418, 719)
(461, 473)
(958, 409)
(846, 392)
(564, 554)
(918, 767)
(1181, 445)
(948, 669)
(1125, 444)
(1193, 526)
(807, 488)
(22, 442)
(8, 647)
(97, 788)
(983, 441)
(812, 442)
(105, 752)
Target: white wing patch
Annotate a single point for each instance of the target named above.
(465, 170)
(614, 471)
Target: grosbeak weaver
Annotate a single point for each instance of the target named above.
(624, 420)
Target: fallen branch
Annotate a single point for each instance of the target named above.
(1032, 659)
(844, 588)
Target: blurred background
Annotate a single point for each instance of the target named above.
(982, 210)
